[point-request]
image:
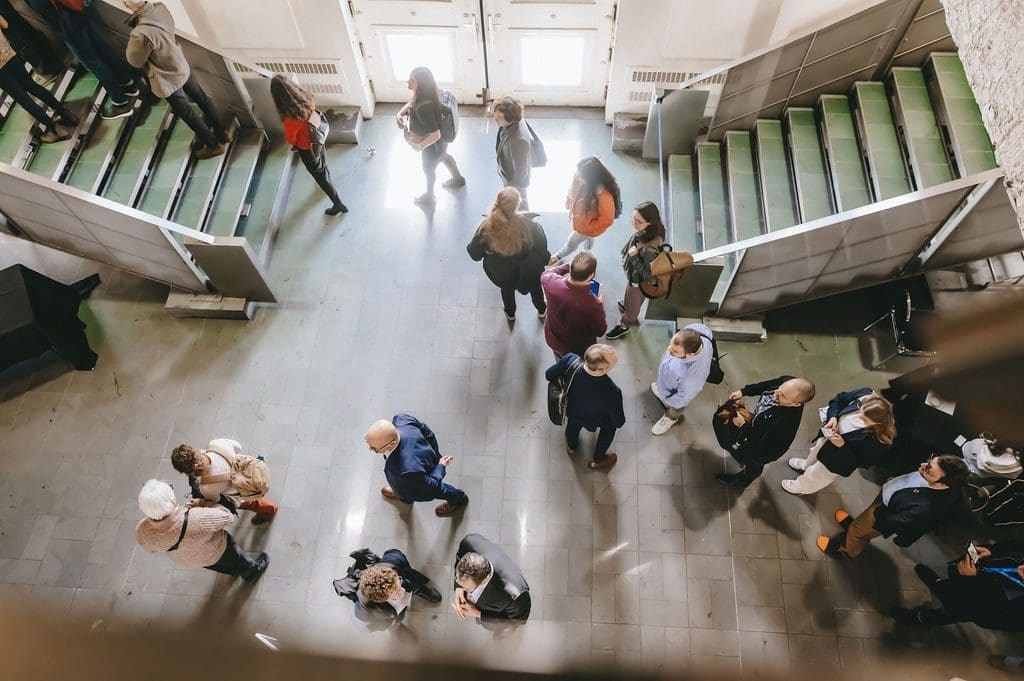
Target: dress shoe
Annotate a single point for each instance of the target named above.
(730, 480)
(906, 616)
(205, 152)
(337, 208)
(609, 460)
(927, 576)
(388, 492)
(428, 593)
(570, 452)
(444, 509)
(262, 561)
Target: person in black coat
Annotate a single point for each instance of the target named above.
(858, 431)
(594, 401)
(771, 429)
(989, 593)
(514, 249)
(908, 506)
(488, 584)
(386, 589)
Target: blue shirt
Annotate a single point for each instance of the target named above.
(681, 379)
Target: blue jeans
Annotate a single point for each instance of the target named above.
(100, 58)
(604, 438)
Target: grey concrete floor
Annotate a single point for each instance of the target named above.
(650, 566)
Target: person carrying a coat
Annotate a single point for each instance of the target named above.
(514, 249)
(858, 431)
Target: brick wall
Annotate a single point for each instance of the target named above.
(990, 35)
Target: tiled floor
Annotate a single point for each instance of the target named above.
(652, 565)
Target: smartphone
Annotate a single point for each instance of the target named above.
(972, 553)
(828, 433)
(595, 287)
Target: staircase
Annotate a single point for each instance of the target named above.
(145, 161)
(919, 128)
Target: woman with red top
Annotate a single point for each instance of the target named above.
(593, 204)
(297, 109)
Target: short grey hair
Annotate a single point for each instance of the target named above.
(473, 567)
(156, 499)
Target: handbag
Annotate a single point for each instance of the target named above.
(558, 394)
(318, 131)
(715, 373)
(538, 157)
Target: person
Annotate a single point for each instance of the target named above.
(512, 145)
(593, 203)
(514, 249)
(682, 373)
(576, 317)
(857, 433)
(32, 44)
(989, 592)
(769, 432)
(907, 507)
(640, 249)
(193, 537)
(413, 465)
(594, 401)
(420, 118)
(386, 588)
(209, 473)
(488, 584)
(152, 47)
(19, 84)
(297, 109)
(111, 70)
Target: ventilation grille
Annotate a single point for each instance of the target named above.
(670, 78)
(641, 83)
(322, 78)
(296, 67)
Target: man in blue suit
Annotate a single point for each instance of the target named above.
(413, 464)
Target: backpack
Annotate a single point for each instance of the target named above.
(558, 393)
(448, 121)
(715, 375)
(249, 475)
(663, 271)
(538, 157)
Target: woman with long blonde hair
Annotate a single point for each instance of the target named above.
(514, 249)
(859, 429)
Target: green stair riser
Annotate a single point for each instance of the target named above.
(776, 186)
(714, 209)
(808, 165)
(744, 199)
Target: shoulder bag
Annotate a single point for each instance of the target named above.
(558, 393)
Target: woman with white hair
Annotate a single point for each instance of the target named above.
(193, 536)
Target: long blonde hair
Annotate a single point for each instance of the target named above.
(879, 410)
(505, 234)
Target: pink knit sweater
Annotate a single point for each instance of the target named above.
(204, 540)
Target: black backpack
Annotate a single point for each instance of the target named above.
(448, 121)
(715, 375)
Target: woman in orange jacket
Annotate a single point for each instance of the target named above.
(593, 204)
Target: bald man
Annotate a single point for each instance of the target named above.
(771, 429)
(413, 464)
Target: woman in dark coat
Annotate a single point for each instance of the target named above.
(858, 431)
(643, 246)
(514, 250)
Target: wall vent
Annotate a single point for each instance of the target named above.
(321, 77)
(642, 81)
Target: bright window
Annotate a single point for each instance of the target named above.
(550, 184)
(551, 60)
(433, 50)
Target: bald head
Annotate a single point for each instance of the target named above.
(382, 436)
(794, 392)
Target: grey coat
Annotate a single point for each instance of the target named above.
(152, 46)
(512, 147)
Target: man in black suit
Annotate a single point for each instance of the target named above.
(908, 506)
(770, 430)
(488, 584)
(382, 588)
(989, 592)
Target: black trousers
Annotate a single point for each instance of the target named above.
(234, 561)
(16, 81)
(316, 164)
(604, 438)
(29, 42)
(205, 125)
(508, 298)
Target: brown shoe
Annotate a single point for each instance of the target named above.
(444, 509)
(606, 463)
(204, 152)
(570, 452)
(388, 492)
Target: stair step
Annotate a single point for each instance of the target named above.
(197, 195)
(682, 186)
(158, 196)
(919, 130)
(849, 185)
(49, 159)
(744, 200)
(127, 179)
(234, 188)
(958, 112)
(879, 141)
(268, 186)
(98, 151)
(714, 209)
(773, 173)
(811, 178)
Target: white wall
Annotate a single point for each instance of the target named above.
(697, 35)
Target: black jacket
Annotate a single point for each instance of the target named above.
(770, 433)
(522, 270)
(378, 616)
(507, 595)
(988, 600)
(912, 512)
(861, 449)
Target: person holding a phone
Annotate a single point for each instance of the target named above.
(985, 586)
(576, 316)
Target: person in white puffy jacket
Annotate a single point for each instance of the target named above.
(209, 472)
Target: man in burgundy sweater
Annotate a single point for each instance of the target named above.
(575, 316)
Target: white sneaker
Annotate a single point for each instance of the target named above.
(657, 393)
(798, 464)
(790, 486)
(662, 426)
